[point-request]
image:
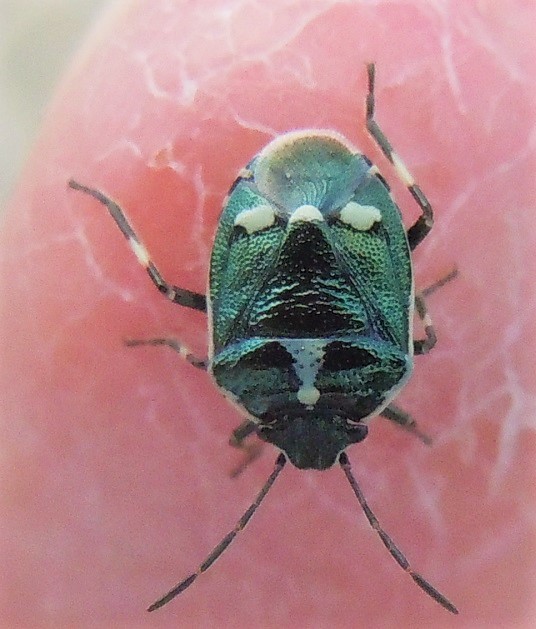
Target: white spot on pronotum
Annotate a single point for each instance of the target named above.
(360, 217)
(139, 251)
(306, 214)
(256, 219)
(402, 171)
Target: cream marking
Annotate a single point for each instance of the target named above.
(245, 173)
(402, 171)
(140, 252)
(360, 217)
(175, 345)
(308, 356)
(306, 214)
(309, 397)
(256, 219)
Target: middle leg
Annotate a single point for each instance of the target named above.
(423, 346)
(405, 420)
(176, 345)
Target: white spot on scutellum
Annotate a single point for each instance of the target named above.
(360, 217)
(306, 214)
(308, 396)
(256, 219)
(139, 251)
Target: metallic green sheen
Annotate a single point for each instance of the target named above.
(278, 294)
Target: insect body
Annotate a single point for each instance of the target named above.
(310, 305)
(318, 338)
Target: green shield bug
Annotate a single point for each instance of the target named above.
(310, 306)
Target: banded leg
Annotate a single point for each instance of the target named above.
(252, 450)
(423, 346)
(420, 346)
(180, 296)
(419, 230)
(176, 345)
(405, 420)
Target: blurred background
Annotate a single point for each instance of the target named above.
(37, 40)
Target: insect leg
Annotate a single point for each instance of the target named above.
(396, 554)
(178, 589)
(176, 345)
(180, 296)
(419, 230)
(405, 420)
(251, 450)
(423, 346)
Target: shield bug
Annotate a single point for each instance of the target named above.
(310, 306)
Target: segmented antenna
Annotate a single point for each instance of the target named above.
(225, 542)
(388, 542)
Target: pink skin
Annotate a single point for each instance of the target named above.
(114, 460)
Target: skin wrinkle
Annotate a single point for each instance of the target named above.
(495, 544)
(510, 429)
(255, 126)
(269, 48)
(123, 144)
(165, 158)
(450, 68)
(200, 220)
(429, 493)
(474, 30)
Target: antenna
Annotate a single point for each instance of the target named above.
(226, 541)
(388, 542)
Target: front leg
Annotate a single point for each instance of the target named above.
(420, 229)
(180, 296)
